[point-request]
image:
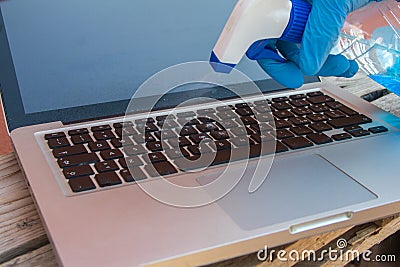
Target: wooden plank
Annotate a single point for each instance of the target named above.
(20, 227)
(41, 257)
(363, 242)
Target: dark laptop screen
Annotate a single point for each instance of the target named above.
(68, 54)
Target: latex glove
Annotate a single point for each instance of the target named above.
(323, 27)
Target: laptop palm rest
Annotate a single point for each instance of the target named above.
(294, 188)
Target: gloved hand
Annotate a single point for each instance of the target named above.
(324, 24)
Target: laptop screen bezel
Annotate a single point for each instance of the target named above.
(17, 117)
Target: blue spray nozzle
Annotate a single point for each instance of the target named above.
(219, 66)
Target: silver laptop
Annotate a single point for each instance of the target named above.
(68, 70)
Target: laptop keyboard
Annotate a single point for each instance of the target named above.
(114, 154)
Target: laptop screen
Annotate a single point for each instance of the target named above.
(69, 54)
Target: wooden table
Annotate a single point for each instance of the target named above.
(23, 241)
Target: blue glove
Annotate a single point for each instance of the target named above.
(323, 27)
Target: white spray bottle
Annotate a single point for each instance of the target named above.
(252, 24)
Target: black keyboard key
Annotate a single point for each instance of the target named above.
(228, 124)
(299, 121)
(143, 138)
(352, 128)
(119, 142)
(298, 96)
(164, 117)
(360, 133)
(165, 134)
(335, 114)
(122, 124)
(281, 124)
(242, 105)
(81, 159)
(154, 157)
(124, 131)
(188, 130)
(199, 150)
(297, 142)
(69, 151)
(349, 121)
(317, 117)
(301, 130)
(188, 121)
(262, 108)
(107, 179)
(262, 138)
(219, 135)
(168, 124)
(101, 128)
(316, 93)
(58, 142)
(111, 154)
(160, 168)
(81, 139)
(299, 103)
(301, 111)
(334, 105)
(132, 175)
(319, 138)
(378, 129)
(149, 127)
(341, 136)
(206, 127)
(320, 99)
(154, 146)
(281, 106)
(240, 131)
(227, 115)
(242, 141)
(54, 135)
(222, 144)
(103, 135)
(98, 146)
(106, 166)
(81, 184)
(282, 134)
(280, 99)
(144, 121)
(244, 111)
(319, 108)
(283, 114)
(135, 150)
(177, 153)
(279, 147)
(77, 171)
(348, 111)
(264, 117)
(182, 141)
(78, 131)
(248, 120)
(131, 161)
(320, 127)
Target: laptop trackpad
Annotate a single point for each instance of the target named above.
(295, 188)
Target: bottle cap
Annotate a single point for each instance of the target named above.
(297, 23)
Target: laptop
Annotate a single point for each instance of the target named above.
(68, 72)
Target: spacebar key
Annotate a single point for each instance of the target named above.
(349, 121)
